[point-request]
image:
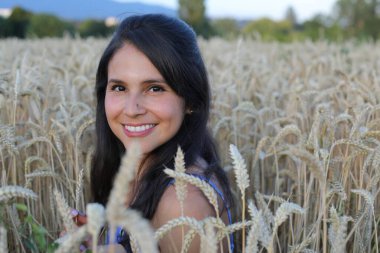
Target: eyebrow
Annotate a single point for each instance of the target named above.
(148, 81)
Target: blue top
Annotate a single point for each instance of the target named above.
(120, 232)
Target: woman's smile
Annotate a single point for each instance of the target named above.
(141, 130)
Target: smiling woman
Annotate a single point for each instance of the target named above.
(152, 88)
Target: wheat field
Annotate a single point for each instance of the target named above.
(297, 126)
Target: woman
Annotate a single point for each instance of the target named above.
(152, 87)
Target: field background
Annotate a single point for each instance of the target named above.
(305, 117)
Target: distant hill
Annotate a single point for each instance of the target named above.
(85, 9)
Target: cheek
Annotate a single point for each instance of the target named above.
(111, 106)
(178, 113)
(107, 107)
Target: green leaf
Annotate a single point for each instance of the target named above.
(21, 207)
(29, 244)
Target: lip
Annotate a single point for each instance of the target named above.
(138, 130)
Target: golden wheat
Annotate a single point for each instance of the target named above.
(305, 116)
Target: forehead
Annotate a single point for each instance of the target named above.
(130, 61)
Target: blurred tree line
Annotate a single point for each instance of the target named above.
(358, 19)
(24, 24)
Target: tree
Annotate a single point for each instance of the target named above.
(6, 28)
(291, 16)
(44, 25)
(19, 21)
(96, 28)
(319, 28)
(194, 13)
(226, 27)
(270, 30)
(360, 18)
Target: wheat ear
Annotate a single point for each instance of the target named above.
(65, 212)
(12, 191)
(338, 231)
(282, 213)
(191, 222)
(209, 243)
(187, 240)
(264, 228)
(140, 229)
(116, 204)
(207, 190)
(79, 187)
(95, 221)
(242, 180)
(3, 240)
(117, 212)
(72, 241)
(180, 185)
(368, 197)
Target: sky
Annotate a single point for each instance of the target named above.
(253, 9)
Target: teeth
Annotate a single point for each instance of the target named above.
(139, 128)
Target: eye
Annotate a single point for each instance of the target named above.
(117, 87)
(156, 88)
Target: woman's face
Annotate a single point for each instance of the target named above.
(140, 106)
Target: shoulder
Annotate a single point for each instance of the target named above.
(196, 206)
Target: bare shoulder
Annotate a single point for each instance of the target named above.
(196, 206)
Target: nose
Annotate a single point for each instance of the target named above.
(134, 105)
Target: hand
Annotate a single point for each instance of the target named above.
(79, 218)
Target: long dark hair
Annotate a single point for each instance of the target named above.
(171, 46)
